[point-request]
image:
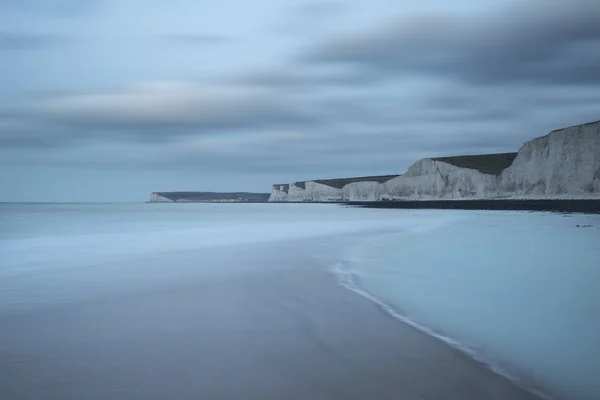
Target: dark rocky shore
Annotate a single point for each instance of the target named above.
(571, 206)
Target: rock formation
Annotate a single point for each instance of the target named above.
(563, 164)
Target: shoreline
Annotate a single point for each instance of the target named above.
(346, 279)
(567, 206)
(277, 325)
(586, 206)
(401, 282)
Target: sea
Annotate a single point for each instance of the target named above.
(518, 291)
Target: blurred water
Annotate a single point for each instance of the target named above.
(520, 290)
(53, 253)
(49, 236)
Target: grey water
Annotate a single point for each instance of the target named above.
(57, 253)
(520, 291)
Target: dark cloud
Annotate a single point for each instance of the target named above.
(21, 41)
(435, 123)
(404, 113)
(518, 99)
(38, 138)
(295, 77)
(155, 112)
(556, 42)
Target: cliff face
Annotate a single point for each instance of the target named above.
(563, 164)
(329, 189)
(279, 192)
(431, 179)
(157, 198)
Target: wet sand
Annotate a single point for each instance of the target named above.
(277, 327)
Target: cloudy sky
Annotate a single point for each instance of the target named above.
(107, 100)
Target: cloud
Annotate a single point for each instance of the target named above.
(556, 42)
(360, 103)
(298, 77)
(263, 125)
(27, 41)
(66, 8)
(519, 99)
(199, 39)
(354, 105)
(320, 8)
(168, 108)
(310, 16)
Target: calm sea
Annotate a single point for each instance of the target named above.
(519, 291)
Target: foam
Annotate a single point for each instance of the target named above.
(347, 277)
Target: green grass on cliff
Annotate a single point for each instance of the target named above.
(339, 183)
(212, 196)
(492, 164)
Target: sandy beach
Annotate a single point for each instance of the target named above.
(284, 330)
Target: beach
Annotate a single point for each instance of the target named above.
(278, 326)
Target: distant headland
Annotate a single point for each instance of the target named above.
(208, 197)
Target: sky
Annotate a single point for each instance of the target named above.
(109, 100)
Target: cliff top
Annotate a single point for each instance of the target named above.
(284, 186)
(492, 164)
(205, 196)
(577, 126)
(340, 182)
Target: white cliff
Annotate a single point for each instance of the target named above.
(320, 192)
(279, 193)
(563, 164)
(362, 191)
(157, 198)
(296, 193)
(431, 179)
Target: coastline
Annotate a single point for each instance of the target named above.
(508, 325)
(587, 206)
(347, 279)
(486, 364)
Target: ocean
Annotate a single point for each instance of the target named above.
(518, 291)
(91, 292)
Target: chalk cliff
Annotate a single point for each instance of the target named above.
(563, 164)
(566, 162)
(158, 198)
